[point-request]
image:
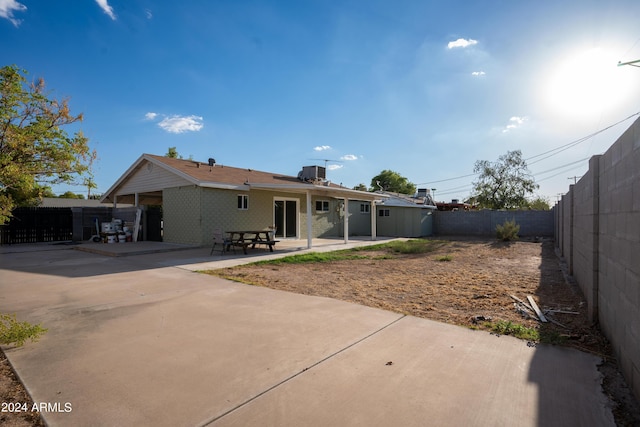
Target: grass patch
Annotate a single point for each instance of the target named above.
(503, 327)
(444, 258)
(413, 246)
(314, 257)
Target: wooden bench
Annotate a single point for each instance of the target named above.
(270, 243)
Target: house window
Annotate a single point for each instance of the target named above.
(322, 206)
(243, 202)
(383, 212)
(364, 208)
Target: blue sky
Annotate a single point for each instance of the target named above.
(423, 88)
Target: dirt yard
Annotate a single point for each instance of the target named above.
(462, 282)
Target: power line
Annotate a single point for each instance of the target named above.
(448, 179)
(559, 173)
(562, 166)
(558, 149)
(576, 142)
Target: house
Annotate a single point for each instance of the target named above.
(197, 198)
(397, 215)
(455, 205)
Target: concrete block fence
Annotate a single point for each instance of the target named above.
(597, 231)
(484, 222)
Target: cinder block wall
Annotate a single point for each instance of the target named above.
(584, 259)
(484, 222)
(600, 238)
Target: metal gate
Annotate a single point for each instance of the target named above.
(34, 225)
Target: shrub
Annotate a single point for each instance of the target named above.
(508, 230)
(14, 332)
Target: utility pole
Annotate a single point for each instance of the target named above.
(575, 178)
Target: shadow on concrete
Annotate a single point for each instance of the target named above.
(557, 381)
(95, 259)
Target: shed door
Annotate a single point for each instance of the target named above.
(286, 218)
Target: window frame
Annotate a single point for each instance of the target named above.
(243, 202)
(323, 203)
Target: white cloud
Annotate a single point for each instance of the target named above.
(478, 73)
(461, 43)
(148, 13)
(181, 124)
(322, 147)
(334, 167)
(150, 116)
(104, 5)
(7, 7)
(514, 123)
(349, 157)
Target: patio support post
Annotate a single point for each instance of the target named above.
(373, 220)
(137, 200)
(346, 220)
(309, 219)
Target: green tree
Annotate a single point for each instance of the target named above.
(360, 187)
(172, 153)
(388, 180)
(71, 195)
(539, 203)
(504, 184)
(46, 191)
(90, 184)
(34, 149)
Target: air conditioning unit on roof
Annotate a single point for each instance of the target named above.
(312, 173)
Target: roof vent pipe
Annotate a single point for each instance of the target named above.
(212, 161)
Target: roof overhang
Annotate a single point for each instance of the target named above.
(329, 191)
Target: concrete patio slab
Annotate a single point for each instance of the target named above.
(143, 340)
(416, 372)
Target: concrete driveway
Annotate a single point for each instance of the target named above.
(145, 341)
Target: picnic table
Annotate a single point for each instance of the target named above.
(246, 238)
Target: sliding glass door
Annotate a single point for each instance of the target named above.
(285, 214)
